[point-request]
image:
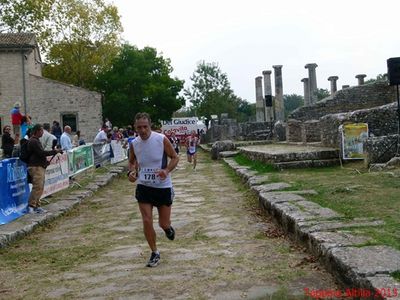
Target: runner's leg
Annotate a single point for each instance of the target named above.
(194, 160)
(164, 216)
(146, 209)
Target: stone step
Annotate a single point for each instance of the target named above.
(290, 155)
(307, 163)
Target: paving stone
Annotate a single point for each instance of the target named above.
(257, 180)
(245, 174)
(320, 242)
(269, 187)
(365, 261)
(228, 153)
(384, 285)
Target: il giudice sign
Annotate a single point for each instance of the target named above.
(182, 127)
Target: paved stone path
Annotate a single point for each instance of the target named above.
(221, 250)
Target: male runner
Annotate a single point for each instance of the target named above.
(149, 166)
(192, 142)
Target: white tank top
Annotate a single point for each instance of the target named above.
(151, 157)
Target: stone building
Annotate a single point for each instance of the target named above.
(43, 99)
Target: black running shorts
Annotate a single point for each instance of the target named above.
(155, 196)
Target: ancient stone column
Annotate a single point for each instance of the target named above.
(312, 77)
(260, 111)
(333, 80)
(360, 78)
(269, 117)
(279, 106)
(345, 86)
(306, 91)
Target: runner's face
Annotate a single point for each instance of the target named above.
(143, 128)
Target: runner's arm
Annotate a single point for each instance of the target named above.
(132, 165)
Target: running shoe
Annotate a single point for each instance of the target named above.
(170, 233)
(154, 260)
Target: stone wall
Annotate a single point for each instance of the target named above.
(381, 149)
(293, 130)
(230, 130)
(310, 131)
(50, 99)
(349, 99)
(381, 121)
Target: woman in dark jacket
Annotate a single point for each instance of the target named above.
(7, 142)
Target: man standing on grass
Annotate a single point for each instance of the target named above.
(149, 166)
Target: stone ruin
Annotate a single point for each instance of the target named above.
(318, 122)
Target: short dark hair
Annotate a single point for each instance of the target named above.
(142, 115)
(46, 126)
(36, 128)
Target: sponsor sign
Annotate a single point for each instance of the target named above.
(14, 189)
(353, 138)
(56, 176)
(80, 159)
(182, 127)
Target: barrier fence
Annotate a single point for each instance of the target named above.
(14, 188)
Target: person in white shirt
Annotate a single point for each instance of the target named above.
(148, 165)
(65, 139)
(101, 136)
(48, 140)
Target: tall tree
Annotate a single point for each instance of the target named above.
(78, 37)
(139, 80)
(211, 94)
(322, 94)
(292, 102)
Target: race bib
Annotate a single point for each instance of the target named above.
(192, 149)
(149, 176)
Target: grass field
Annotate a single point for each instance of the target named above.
(350, 190)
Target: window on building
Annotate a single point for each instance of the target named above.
(1, 125)
(70, 119)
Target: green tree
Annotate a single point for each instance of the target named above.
(291, 102)
(379, 77)
(211, 94)
(322, 94)
(139, 81)
(78, 38)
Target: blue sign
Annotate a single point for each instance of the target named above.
(14, 189)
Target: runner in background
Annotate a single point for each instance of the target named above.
(192, 142)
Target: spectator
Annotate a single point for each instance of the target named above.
(108, 124)
(101, 136)
(37, 165)
(56, 130)
(77, 140)
(117, 134)
(25, 124)
(48, 140)
(7, 142)
(65, 139)
(16, 117)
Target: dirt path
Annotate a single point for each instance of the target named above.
(220, 250)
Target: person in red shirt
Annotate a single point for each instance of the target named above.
(16, 117)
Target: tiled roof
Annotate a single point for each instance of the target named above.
(10, 40)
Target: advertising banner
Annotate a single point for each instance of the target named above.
(182, 127)
(56, 176)
(119, 152)
(14, 189)
(353, 139)
(80, 159)
(102, 154)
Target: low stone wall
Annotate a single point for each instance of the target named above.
(310, 131)
(293, 130)
(242, 131)
(350, 99)
(381, 121)
(381, 149)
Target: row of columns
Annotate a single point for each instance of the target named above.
(264, 112)
(267, 113)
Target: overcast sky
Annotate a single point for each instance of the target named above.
(344, 37)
